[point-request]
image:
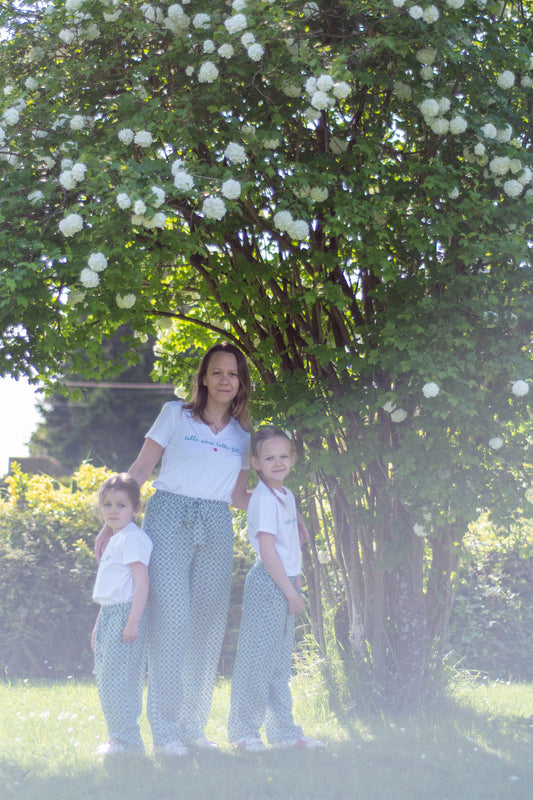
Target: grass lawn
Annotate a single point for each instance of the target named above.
(476, 744)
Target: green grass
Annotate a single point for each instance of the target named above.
(476, 744)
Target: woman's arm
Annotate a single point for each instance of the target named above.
(141, 469)
(276, 570)
(140, 596)
(240, 497)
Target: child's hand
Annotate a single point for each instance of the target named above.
(131, 631)
(93, 639)
(296, 604)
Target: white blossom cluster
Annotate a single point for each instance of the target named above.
(96, 263)
(430, 390)
(396, 414)
(433, 111)
(296, 228)
(183, 180)
(429, 14)
(71, 174)
(214, 207)
(125, 300)
(141, 138)
(323, 91)
(71, 224)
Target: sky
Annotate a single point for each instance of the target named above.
(19, 418)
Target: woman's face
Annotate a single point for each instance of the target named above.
(222, 378)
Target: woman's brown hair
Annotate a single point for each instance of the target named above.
(239, 406)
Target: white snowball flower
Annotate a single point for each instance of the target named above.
(458, 124)
(429, 108)
(8, 89)
(440, 126)
(159, 196)
(255, 52)
(36, 196)
(78, 122)
(489, 131)
(402, 90)
(430, 390)
(89, 278)
(282, 220)
(500, 165)
(238, 5)
(201, 21)
(143, 138)
(126, 135)
(214, 207)
(31, 84)
(97, 262)
(453, 194)
(520, 388)
(323, 556)
(526, 82)
(208, 46)
(71, 224)
(389, 407)
(66, 180)
(67, 36)
(236, 24)
(505, 134)
(513, 188)
(235, 152)
(189, 71)
(312, 114)
(298, 229)
(426, 73)
(495, 443)
(78, 171)
(310, 9)
(321, 101)
(456, 4)
(139, 207)
(398, 415)
(431, 14)
(208, 73)
(419, 530)
(444, 105)
(159, 220)
(310, 85)
(112, 17)
(318, 194)
(341, 90)
(526, 176)
(480, 149)
(123, 201)
(125, 300)
(226, 51)
(182, 180)
(11, 116)
(416, 12)
(231, 189)
(324, 83)
(506, 79)
(337, 146)
(247, 39)
(398, 3)
(427, 55)
(271, 144)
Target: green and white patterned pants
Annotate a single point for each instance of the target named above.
(120, 670)
(190, 581)
(260, 690)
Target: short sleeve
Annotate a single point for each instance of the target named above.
(165, 424)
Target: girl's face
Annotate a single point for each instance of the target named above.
(274, 461)
(222, 378)
(117, 509)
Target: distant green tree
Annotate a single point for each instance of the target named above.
(101, 424)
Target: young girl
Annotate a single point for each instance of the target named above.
(119, 636)
(260, 687)
(204, 450)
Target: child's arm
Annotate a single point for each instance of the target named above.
(276, 570)
(93, 634)
(140, 596)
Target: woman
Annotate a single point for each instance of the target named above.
(204, 446)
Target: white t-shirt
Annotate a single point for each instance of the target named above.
(114, 579)
(197, 462)
(267, 514)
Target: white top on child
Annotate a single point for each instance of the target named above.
(188, 466)
(114, 580)
(267, 514)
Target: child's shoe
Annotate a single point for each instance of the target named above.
(111, 748)
(172, 749)
(252, 744)
(303, 743)
(203, 743)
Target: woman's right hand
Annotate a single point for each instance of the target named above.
(102, 541)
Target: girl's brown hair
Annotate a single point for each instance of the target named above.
(239, 406)
(124, 482)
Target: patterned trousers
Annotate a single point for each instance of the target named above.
(120, 670)
(260, 685)
(190, 581)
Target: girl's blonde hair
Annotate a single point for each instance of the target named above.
(123, 482)
(239, 406)
(265, 434)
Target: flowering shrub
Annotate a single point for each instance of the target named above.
(346, 192)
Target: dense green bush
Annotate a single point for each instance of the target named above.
(47, 571)
(491, 626)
